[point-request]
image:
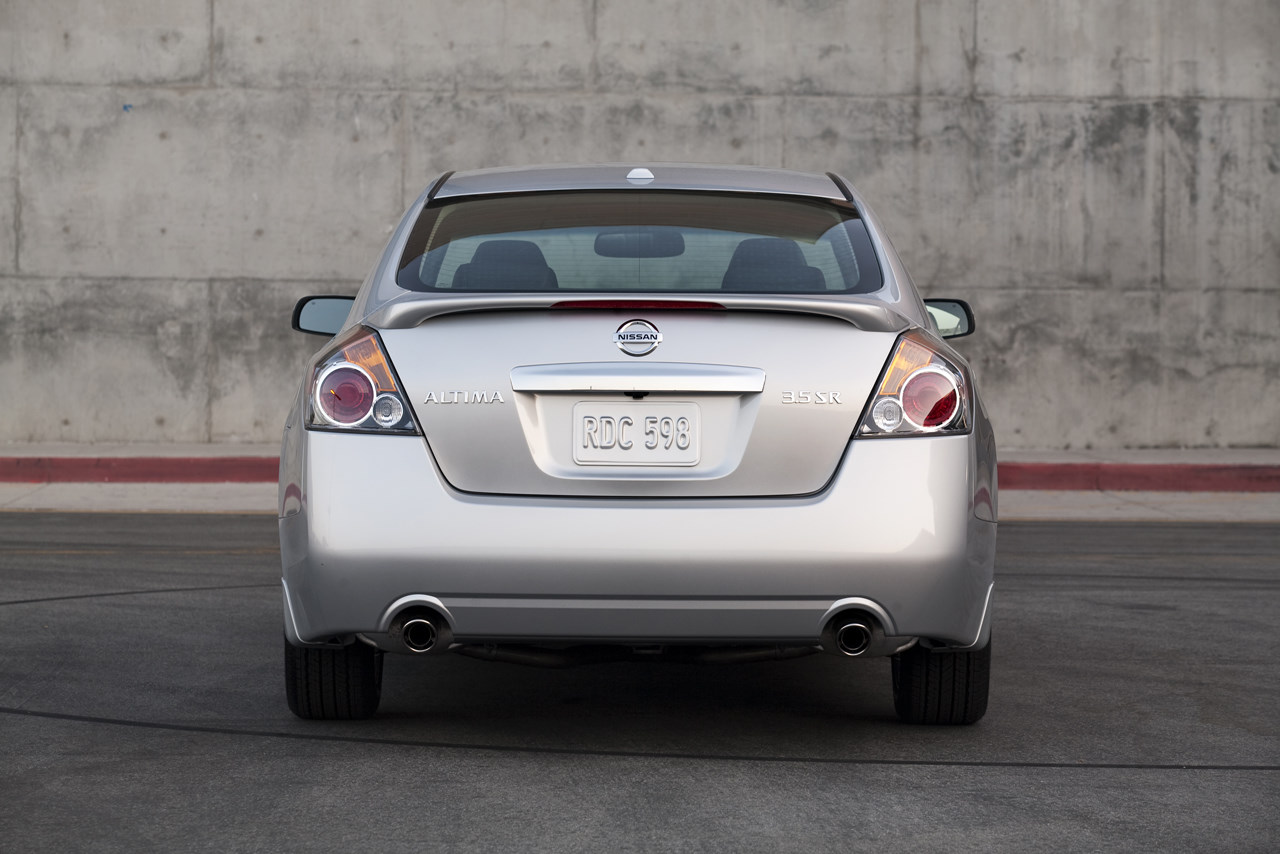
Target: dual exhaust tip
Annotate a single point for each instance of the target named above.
(853, 639)
(420, 633)
(855, 634)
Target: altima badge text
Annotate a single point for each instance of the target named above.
(464, 397)
(637, 337)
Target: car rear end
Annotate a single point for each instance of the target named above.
(669, 408)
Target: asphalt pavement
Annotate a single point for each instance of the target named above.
(142, 708)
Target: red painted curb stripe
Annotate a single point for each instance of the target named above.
(1122, 477)
(138, 469)
(1173, 477)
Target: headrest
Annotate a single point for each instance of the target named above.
(509, 252)
(768, 252)
(764, 264)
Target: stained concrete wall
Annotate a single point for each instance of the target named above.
(1101, 180)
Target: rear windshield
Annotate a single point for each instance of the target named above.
(641, 240)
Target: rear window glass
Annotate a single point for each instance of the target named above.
(640, 241)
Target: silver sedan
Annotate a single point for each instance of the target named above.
(591, 413)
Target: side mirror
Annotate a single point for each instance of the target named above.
(322, 315)
(953, 317)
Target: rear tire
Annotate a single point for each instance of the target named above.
(333, 683)
(941, 687)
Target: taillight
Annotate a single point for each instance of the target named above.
(354, 388)
(344, 395)
(921, 392)
(930, 398)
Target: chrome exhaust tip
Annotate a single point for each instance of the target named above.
(419, 631)
(853, 639)
(419, 635)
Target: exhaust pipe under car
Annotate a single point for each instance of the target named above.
(419, 633)
(853, 639)
(857, 634)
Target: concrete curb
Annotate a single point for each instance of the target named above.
(1140, 477)
(1060, 476)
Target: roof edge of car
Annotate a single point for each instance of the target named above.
(439, 182)
(707, 177)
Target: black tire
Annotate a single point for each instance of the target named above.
(333, 683)
(941, 687)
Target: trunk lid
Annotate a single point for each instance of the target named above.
(740, 402)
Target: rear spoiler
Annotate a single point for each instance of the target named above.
(413, 309)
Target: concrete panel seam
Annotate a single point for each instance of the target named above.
(971, 55)
(658, 94)
(17, 183)
(402, 141)
(212, 54)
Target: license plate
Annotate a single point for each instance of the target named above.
(636, 434)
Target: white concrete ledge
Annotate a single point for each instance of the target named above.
(1015, 505)
(1077, 505)
(139, 497)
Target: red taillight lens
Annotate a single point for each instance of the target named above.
(923, 390)
(344, 395)
(354, 388)
(930, 399)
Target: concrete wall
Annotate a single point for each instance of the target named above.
(1101, 180)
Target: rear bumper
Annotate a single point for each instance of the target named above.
(368, 527)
